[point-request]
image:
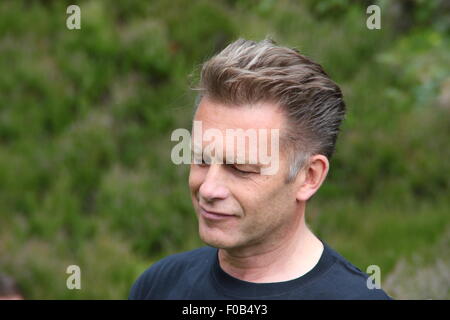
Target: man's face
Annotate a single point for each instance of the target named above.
(251, 207)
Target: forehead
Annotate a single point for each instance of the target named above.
(241, 134)
(263, 115)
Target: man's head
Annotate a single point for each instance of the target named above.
(253, 85)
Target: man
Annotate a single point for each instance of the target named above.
(259, 246)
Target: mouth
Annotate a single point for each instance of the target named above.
(211, 215)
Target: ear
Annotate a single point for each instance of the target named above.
(312, 177)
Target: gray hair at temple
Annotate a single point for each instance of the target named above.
(248, 72)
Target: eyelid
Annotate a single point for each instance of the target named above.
(241, 171)
(230, 165)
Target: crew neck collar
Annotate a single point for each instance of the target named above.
(245, 289)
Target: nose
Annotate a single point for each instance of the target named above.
(213, 187)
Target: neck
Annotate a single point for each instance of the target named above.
(287, 258)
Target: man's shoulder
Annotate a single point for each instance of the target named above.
(170, 269)
(183, 259)
(349, 282)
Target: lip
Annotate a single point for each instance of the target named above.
(211, 215)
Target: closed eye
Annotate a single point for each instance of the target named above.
(240, 171)
(232, 167)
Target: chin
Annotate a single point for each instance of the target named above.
(216, 238)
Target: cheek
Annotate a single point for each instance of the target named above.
(251, 196)
(271, 199)
(196, 177)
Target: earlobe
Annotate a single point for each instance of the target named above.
(312, 177)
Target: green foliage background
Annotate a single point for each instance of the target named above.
(86, 117)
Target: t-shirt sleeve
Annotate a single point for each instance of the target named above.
(145, 282)
(157, 281)
(137, 289)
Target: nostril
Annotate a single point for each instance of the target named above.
(208, 200)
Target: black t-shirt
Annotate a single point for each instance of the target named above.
(197, 275)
